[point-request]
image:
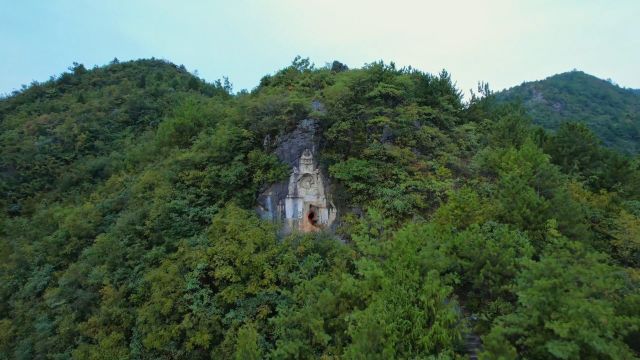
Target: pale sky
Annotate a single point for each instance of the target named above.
(498, 41)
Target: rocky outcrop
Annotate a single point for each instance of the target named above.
(303, 203)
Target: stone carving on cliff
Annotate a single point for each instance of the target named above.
(302, 203)
(306, 206)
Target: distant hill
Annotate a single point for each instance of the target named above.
(612, 112)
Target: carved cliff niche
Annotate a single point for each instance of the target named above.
(303, 201)
(305, 207)
(306, 204)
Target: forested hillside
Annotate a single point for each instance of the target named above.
(128, 227)
(611, 112)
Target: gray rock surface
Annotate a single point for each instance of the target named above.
(291, 146)
(311, 200)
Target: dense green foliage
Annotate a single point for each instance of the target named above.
(611, 112)
(127, 228)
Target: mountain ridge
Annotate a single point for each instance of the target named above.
(610, 111)
(129, 227)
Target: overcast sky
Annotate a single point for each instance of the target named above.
(503, 42)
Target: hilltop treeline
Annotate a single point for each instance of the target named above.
(610, 111)
(127, 228)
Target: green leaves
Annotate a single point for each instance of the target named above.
(569, 307)
(127, 229)
(530, 191)
(247, 347)
(410, 312)
(193, 293)
(608, 110)
(390, 179)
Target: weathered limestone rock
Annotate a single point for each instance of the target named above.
(306, 206)
(302, 203)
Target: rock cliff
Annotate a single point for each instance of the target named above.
(303, 202)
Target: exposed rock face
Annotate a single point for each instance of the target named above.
(302, 203)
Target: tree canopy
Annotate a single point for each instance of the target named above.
(128, 227)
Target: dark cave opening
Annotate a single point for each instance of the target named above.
(312, 216)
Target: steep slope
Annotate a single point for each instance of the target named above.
(129, 230)
(61, 133)
(610, 111)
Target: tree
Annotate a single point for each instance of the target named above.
(247, 347)
(411, 312)
(574, 148)
(571, 305)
